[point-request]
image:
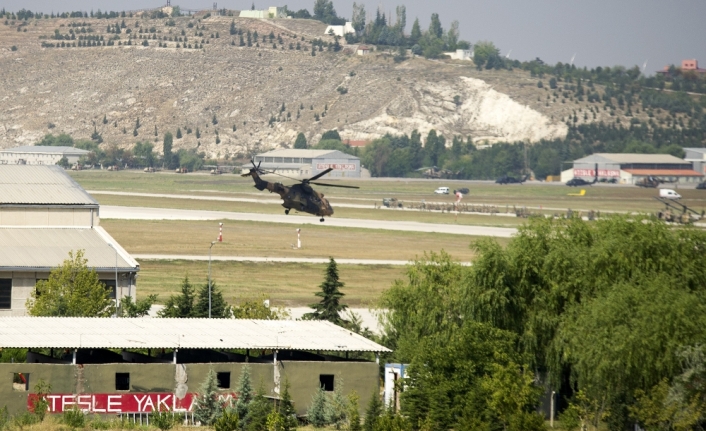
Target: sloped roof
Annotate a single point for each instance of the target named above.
(44, 248)
(41, 185)
(155, 333)
(664, 172)
(45, 149)
(631, 158)
(308, 154)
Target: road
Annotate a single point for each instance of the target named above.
(271, 259)
(142, 213)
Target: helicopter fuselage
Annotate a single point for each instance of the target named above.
(300, 197)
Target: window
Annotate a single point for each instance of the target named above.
(110, 286)
(326, 382)
(5, 293)
(223, 380)
(20, 382)
(122, 381)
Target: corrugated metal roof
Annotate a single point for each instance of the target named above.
(42, 248)
(40, 185)
(42, 149)
(664, 172)
(155, 333)
(631, 158)
(309, 154)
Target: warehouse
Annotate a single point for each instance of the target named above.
(40, 155)
(166, 361)
(307, 163)
(44, 215)
(631, 168)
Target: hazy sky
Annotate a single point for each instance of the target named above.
(599, 32)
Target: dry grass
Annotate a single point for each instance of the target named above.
(275, 240)
(285, 284)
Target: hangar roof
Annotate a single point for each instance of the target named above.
(308, 154)
(664, 172)
(42, 149)
(155, 333)
(43, 248)
(631, 158)
(41, 185)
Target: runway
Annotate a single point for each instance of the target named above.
(143, 213)
(272, 259)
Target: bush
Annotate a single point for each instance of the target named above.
(342, 90)
(316, 414)
(227, 422)
(74, 418)
(165, 420)
(13, 48)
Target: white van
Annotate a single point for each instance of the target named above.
(442, 191)
(669, 194)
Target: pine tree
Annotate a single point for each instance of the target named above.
(180, 305)
(245, 394)
(316, 413)
(178, 134)
(329, 307)
(219, 307)
(207, 408)
(416, 34)
(286, 409)
(336, 408)
(258, 411)
(300, 143)
(372, 414)
(353, 412)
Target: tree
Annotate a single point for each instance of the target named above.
(139, 308)
(167, 149)
(286, 409)
(64, 163)
(336, 408)
(486, 54)
(256, 309)
(329, 307)
(435, 29)
(353, 412)
(373, 412)
(300, 143)
(416, 34)
(331, 134)
(207, 407)
(358, 18)
(178, 133)
(180, 305)
(72, 290)
(316, 413)
(245, 394)
(452, 37)
(143, 153)
(219, 307)
(258, 412)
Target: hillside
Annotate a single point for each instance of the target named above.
(76, 89)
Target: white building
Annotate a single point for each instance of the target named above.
(45, 214)
(40, 155)
(630, 168)
(271, 12)
(307, 163)
(339, 30)
(461, 54)
(697, 158)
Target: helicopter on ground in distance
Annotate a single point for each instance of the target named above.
(300, 197)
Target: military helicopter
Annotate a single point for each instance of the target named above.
(651, 182)
(300, 197)
(506, 179)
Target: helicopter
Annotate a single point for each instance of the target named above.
(651, 182)
(300, 197)
(506, 179)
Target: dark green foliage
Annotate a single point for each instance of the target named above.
(219, 307)
(228, 421)
(286, 409)
(331, 134)
(74, 418)
(140, 308)
(329, 308)
(373, 412)
(165, 419)
(300, 143)
(167, 150)
(178, 133)
(63, 140)
(258, 410)
(316, 414)
(245, 395)
(63, 162)
(181, 305)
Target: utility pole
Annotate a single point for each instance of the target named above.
(220, 239)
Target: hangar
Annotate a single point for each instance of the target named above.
(630, 168)
(45, 214)
(40, 155)
(104, 365)
(307, 163)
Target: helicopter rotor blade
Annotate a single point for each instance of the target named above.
(321, 174)
(336, 185)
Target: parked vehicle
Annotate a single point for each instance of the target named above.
(669, 194)
(442, 191)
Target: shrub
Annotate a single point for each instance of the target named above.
(227, 422)
(74, 418)
(14, 48)
(316, 414)
(165, 419)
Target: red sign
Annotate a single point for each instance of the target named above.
(601, 173)
(123, 403)
(336, 166)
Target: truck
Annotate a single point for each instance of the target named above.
(669, 194)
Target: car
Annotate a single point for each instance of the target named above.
(442, 191)
(701, 186)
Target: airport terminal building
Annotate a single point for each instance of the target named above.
(307, 163)
(631, 168)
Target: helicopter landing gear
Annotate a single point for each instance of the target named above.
(286, 211)
(321, 220)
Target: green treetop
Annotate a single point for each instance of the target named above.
(330, 307)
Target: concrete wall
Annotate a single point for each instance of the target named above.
(303, 378)
(28, 216)
(24, 283)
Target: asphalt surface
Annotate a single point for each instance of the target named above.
(142, 213)
(269, 259)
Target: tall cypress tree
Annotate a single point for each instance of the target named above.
(330, 305)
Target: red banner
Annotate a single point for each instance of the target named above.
(122, 403)
(336, 166)
(601, 173)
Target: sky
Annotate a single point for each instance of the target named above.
(593, 32)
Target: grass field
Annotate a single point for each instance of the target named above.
(285, 284)
(599, 197)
